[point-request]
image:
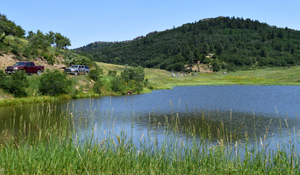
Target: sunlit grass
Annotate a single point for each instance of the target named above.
(267, 76)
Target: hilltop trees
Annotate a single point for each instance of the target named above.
(235, 41)
(44, 41)
(35, 44)
(61, 42)
(38, 40)
(8, 27)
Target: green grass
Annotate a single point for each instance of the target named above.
(44, 145)
(268, 76)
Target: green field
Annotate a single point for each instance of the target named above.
(162, 79)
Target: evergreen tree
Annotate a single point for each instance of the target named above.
(219, 48)
(280, 34)
(264, 52)
(215, 67)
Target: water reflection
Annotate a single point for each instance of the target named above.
(230, 113)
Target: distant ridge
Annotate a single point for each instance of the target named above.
(235, 43)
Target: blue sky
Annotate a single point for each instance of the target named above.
(84, 22)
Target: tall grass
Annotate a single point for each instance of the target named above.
(162, 144)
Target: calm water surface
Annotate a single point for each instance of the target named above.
(241, 107)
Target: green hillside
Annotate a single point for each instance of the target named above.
(48, 46)
(232, 43)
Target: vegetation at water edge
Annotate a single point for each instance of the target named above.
(54, 145)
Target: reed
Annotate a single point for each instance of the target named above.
(164, 144)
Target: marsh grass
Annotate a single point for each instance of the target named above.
(164, 144)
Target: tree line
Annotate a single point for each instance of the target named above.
(231, 42)
(13, 39)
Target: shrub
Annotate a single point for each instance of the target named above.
(223, 66)
(231, 67)
(116, 84)
(50, 58)
(131, 78)
(112, 73)
(15, 84)
(97, 87)
(19, 84)
(3, 80)
(54, 83)
(138, 87)
(95, 74)
(215, 67)
(71, 57)
(206, 60)
(137, 74)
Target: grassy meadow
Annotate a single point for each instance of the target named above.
(162, 79)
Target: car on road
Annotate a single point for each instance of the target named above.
(78, 70)
(28, 67)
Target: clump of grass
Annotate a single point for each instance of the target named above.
(171, 144)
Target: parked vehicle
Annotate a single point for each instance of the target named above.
(78, 70)
(28, 67)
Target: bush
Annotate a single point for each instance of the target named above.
(206, 60)
(138, 87)
(231, 67)
(3, 80)
(215, 67)
(112, 73)
(137, 74)
(130, 79)
(95, 74)
(223, 66)
(54, 83)
(71, 57)
(117, 84)
(15, 84)
(97, 87)
(50, 58)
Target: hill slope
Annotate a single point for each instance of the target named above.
(233, 42)
(49, 47)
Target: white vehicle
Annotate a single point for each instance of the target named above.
(78, 70)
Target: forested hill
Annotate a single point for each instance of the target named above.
(230, 42)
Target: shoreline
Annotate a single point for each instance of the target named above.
(41, 99)
(162, 80)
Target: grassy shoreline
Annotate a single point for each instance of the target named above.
(47, 146)
(161, 79)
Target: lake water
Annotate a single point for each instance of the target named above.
(251, 109)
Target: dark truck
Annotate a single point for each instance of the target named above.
(28, 67)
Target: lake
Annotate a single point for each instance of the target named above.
(254, 110)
